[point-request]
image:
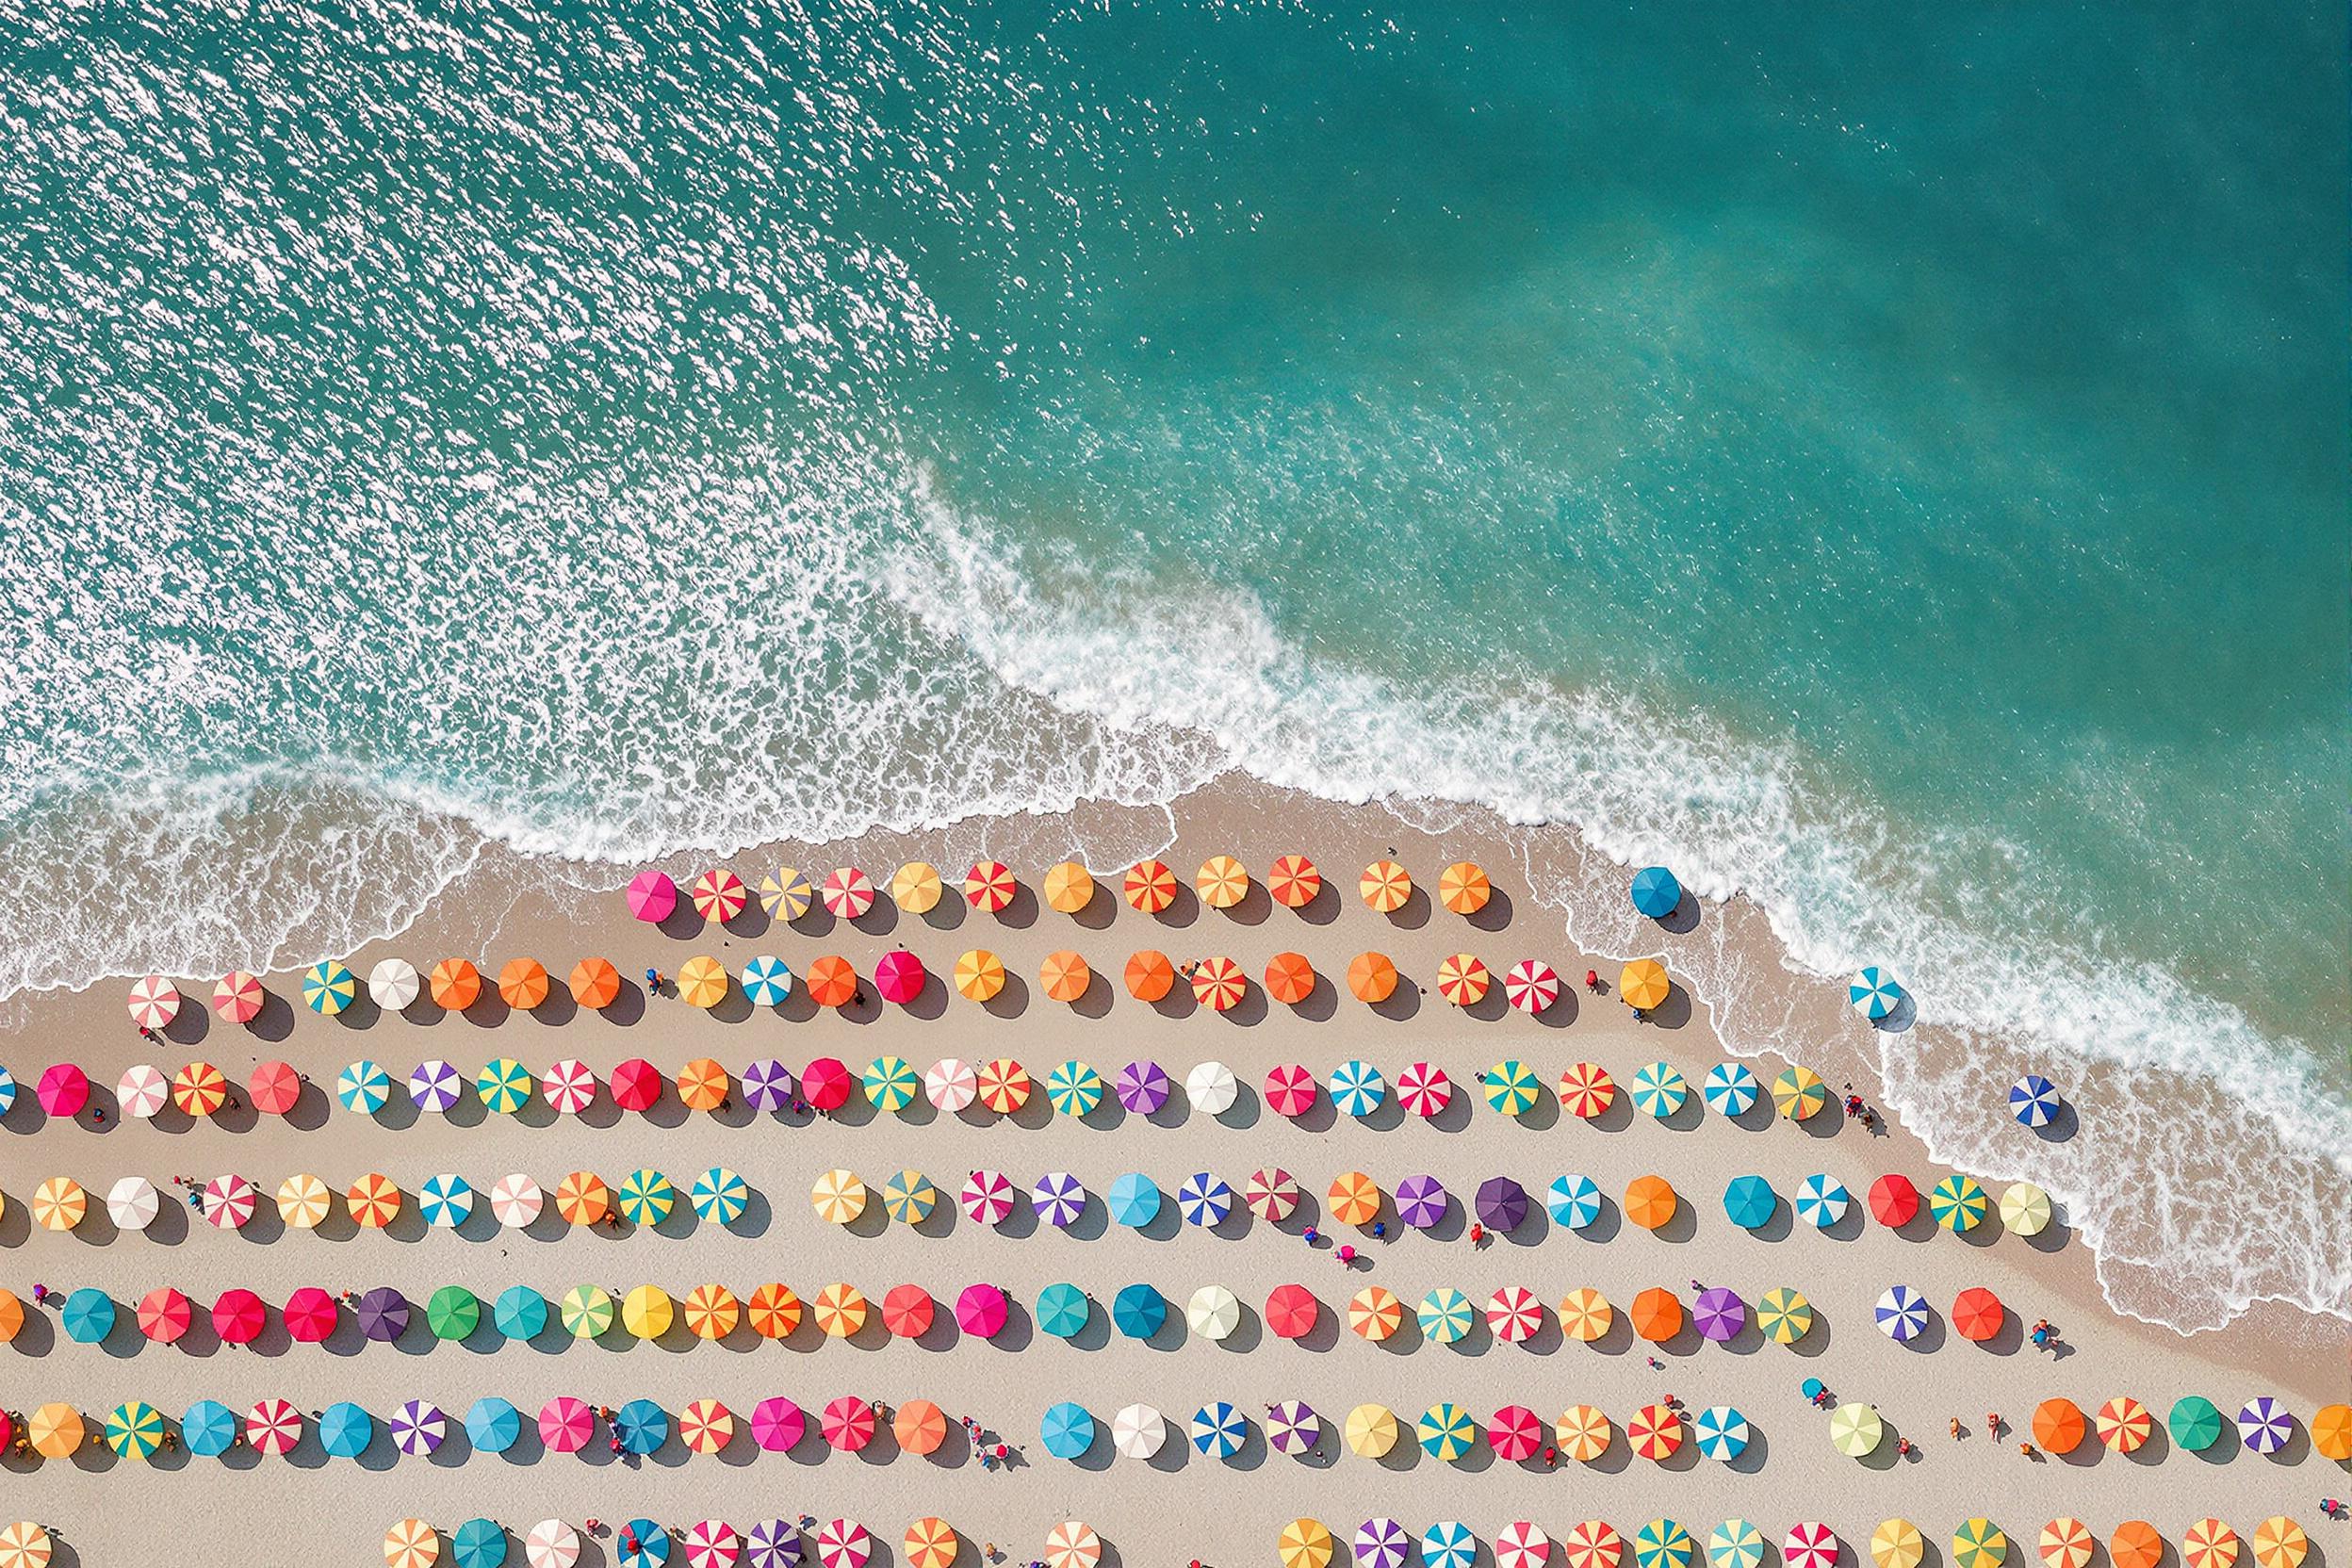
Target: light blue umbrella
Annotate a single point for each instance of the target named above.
(1750, 1201)
(1659, 1090)
(720, 1196)
(1134, 1199)
(1219, 1429)
(652, 1549)
(345, 1430)
(1731, 1089)
(1874, 993)
(2034, 1100)
(1822, 1200)
(766, 981)
(88, 1316)
(479, 1544)
(364, 1087)
(493, 1425)
(642, 1426)
(1655, 893)
(1573, 1200)
(7, 1091)
(446, 1200)
(1068, 1430)
(1205, 1199)
(520, 1313)
(1448, 1544)
(209, 1428)
(1358, 1089)
(1722, 1432)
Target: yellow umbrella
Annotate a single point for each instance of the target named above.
(1979, 1543)
(1798, 1092)
(2210, 1544)
(1583, 1432)
(1371, 1429)
(1375, 1312)
(60, 1204)
(2024, 1209)
(1385, 886)
(2280, 1543)
(930, 1542)
(785, 894)
(1069, 888)
(1464, 888)
(411, 1543)
(647, 1311)
(1643, 983)
(841, 1309)
(1897, 1544)
(1355, 1200)
(702, 981)
(55, 1430)
(1585, 1314)
(1784, 1314)
(711, 1312)
(25, 1544)
(839, 1197)
(1222, 882)
(2067, 1543)
(979, 974)
(916, 888)
(1305, 1543)
(374, 1201)
(304, 1201)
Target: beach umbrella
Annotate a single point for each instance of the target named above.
(1734, 1544)
(1068, 888)
(1149, 887)
(1585, 1314)
(652, 897)
(1293, 881)
(899, 976)
(711, 1312)
(1894, 1201)
(1067, 1430)
(1143, 1087)
(154, 1001)
(1583, 1432)
(1593, 1544)
(2209, 1543)
(642, 1426)
(2034, 1101)
(646, 1197)
(720, 1196)
(595, 984)
(774, 1311)
(1445, 1315)
(931, 1543)
(229, 1202)
(2059, 1425)
(2135, 1544)
(418, 1428)
(1073, 1543)
(565, 1425)
(785, 894)
(1643, 984)
(1222, 882)
(1662, 1544)
(1355, 1199)
(1271, 1193)
(364, 1087)
(239, 1315)
(768, 1085)
(636, 1085)
(2264, 1425)
(435, 1085)
(2195, 1423)
(1464, 979)
(311, 1315)
(1134, 1199)
(644, 1544)
(848, 892)
(552, 1543)
(1382, 1543)
(1304, 1544)
(1575, 1201)
(1212, 1087)
(1513, 1315)
(2024, 1209)
(329, 987)
(519, 1314)
(1005, 1084)
(1750, 1202)
(982, 1310)
(2280, 1543)
(1218, 983)
(1149, 975)
(1421, 1202)
(1064, 976)
(1291, 1311)
(55, 1430)
(344, 1430)
(1659, 1090)
(411, 1543)
(1371, 1430)
(1063, 1311)
(890, 1082)
(199, 1088)
(777, 1424)
(60, 1204)
(832, 981)
(586, 1312)
(132, 1204)
(987, 1197)
(523, 984)
(455, 985)
(393, 983)
(1731, 1090)
(2124, 1423)
(381, 1313)
(1074, 1088)
(1374, 1312)
(1856, 1429)
(238, 997)
(1447, 1432)
(1979, 1543)
(276, 1087)
(841, 1309)
(1654, 1431)
(2067, 1543)
(88, 1316)
(1654, 891)
(583, 1199)
(916, 888)
(1897, 1544)
(1357, 1088)
(1810, 1544)
(1514, 1434)
(1651, 1202)
(453, 1313)
(1058, 1197)
(1873, 993)
(304, 1201)
(1214, 1313)
(1719, 1313)
(1290, 1090)
(1138, 1311)
(909, 1196)
(1205, 1199)
(1513, 1087)
(164, 1314)
(706, 1426)
(907, 1312)
(702, 981)
(1658, 1315)
(1289, 978)
(772, 1544)
(208, 1428)
(446, 1200)
(1901, 1312)
(1385, 887)
(1501, 1203)
(825, 1082)
(979, 974)
(1977, 1314)
(1822, 1200)
(989, 887)
(1372, 977)
(1798, 1093)
(142, 1091)
(1957, 1203)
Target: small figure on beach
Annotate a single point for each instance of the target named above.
(1347, 1256)
(1993, 1421)
(2331, 1506)
(1593, 981)
(1478, 1235)
(1955, 1428)
(1903, 1448)
(1380, 1230)
(1310, 1236)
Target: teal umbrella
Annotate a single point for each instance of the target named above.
(642, 1426)
(1063, 1309)
(479, 1544)
(364, 1087)
(493, 1425)
(2195, 1423)
(1750, 1201)
(1138, 1311)
(521, 1313)
(1134, 1199)
(345, 1430)
(88, 1316)
(1068, 1430)
(720, 1196)
(208, 1428)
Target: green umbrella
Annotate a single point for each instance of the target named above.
(1075, 1088)
(646, 1197)
(587, 1310)
(1063, 1309)
(2195, 1423)
(521, 1313)
(453, 1313)
(479, 1544)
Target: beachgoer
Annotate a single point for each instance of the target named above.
(1347, 1254)
(1992, 1422)
(2027, 1450)
(1592, 980)
(1478, 1235)
(628, 1539)
(1379, 1228)
(1955, 1427)
(1311, 1235)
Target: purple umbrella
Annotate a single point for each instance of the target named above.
(1143, 1086)
(383, 1314)
(1502, 1203)
(1719, 1313)
(767, 1086)
(1421, 1202)
(418, 1426)
(772, 1544)
(1058, 1197)
(435, 1085)
(1293, 1426)
(1381, 1544)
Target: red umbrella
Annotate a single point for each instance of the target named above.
(237, 1317)
(164, 1314)
(982, 1310)
(63, 1090)
(1290, 1090)
(636, 1084)
(899, 976)
(1894, 1201)
(275, 1087)
(848, 1423)
(907, 1310)
(1514, 1434)
(1977, 1312)
(827, 1083)
(1291, 1311)
(311, 1315)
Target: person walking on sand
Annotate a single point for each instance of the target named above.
(1955, 1428)
(1992, 1423)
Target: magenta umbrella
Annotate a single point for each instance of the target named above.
(652, 897)
(565, 1425)
(777, 1424)
(64, 1089)
(1719, 1313)
(1421, 1202)
(899, 976)
(1143, 1087)
(982, 1310)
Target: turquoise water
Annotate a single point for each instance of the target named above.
(1890, 462)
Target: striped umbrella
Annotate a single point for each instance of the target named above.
(238, 997)
(1659, 1090)
(1463, 888)
(199, 1088)
(712, 1544)
(1292, 1426)
(1381, 1544)
(1731, 1090)
(987, 1197)
(644, 1544)
(1144, 1087)
(142, 1091)
(848, 892)
(1901, 1314)
(706, 1426)
(504, 1085)
(1074, 1088)
(910, 1197)
(587, 1312)
(1221, 882)
(1447, 1432)
(1585, 1314)
(767, 981)
(772, 1544)
(60, 1204)
(1593, 1544)
(1294, 881)
(837, 1196)
(1385, 886)
(1720, 1432)
(1371, 1430)
(1073, 1543)
(565, 1425)
(582, 1198)
(1799, 1094)
(230, 1201)
(1464, 979)
(720, 1196)
(132, 1204)
(1004, 1085)
(411, 1543)
(711, 1312)
(1979, 1543)
(1357, 1088)
(1897, 1544)
(446, 1200)
(1204, 1198)
(645, 1198)
(1583, 1432)
(1354, 1198)
(329, 987)
(916, 888)
(1513, 1087)
(273, 1427)
(1149, 887)
(1784, 1315)
(1822, 1200)
(1219, 1429)
(364, 1087)
(2264, 1425)
(890, 1082)
(1422, 1201)
(1444, 1314)
(2034, 1101)
(1424, 1089)
(2067, 1543)
(1058, 1197)
(1271, 1193)
(931, 1542)
(393, 983)
(2280, 1543)
(1521, 1546)
(1654, 1433)
(1514, 1434)
(774, 1311)
(374, 1201)
(1810, 1544)
(1218, 983)
(435, 1085)
(1448, 1544)
(1374, 1312)
(1734, 1544)
(1531, 985)
(1587, 1091)
(1573, 1200)
(1873, 993)
(1662, 1544)
(1513, 1315)
(1958, 1203)
(989, 887)
(418, 1428)
(785, 894)
(154, 1001)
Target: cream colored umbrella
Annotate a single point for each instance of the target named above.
(1214, 1312)
(2024, 1209)
(839, 1197)
(1371, 1429)
(393, 983)
(1211, 1088)
(304, 1200)
(1856, 1429)
(132, 1204)
(1138, 1431)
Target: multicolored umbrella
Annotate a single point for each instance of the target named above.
(1901, 1314)
(411, 1543)
(238, 998)
(987, 1197)
(644, 1544)
(1799, 1094)
(1587, 1091)
(1513, 1087)
(1143, 1087)
(199, 1088)
(1354, 1198)
(1656, 1431)
(1822, 1200)
(273, 1427)
(931, 1542)
(1074, 1088)
(645, 1198)
(1810, 1544)
(1218, 983)
(587, 1312)
(1058, 1197)
(1873, 993)
(2278, 1542)
(329, 987)
(1447, 1432)
(1585, 1314)
(229, 1202)
(1514, 1434)
(2034, 1101)
(1212, 1087)
(839, 1197)
(60, 1204)
(1425, 1089)
(1205, 1199)
(1374, 1312)
(1138, 1311)
(435, 1085)
(1784, 1315)
(1385, 887)
(720, 1196)
(711, 1312)
(1531, 985)
(418, 1428)
(1132, 1200)
(1004, 1085)
(1448, 1544)
(135, 1430)
(1734, 1544)
(1073, 1543)
(1979, 1543)
(1731, 1090)
(1149, 887)
(890, 1082)
(989, 887)
(1464, 979)
(1513, 1315)
(774, 1311)
(1382, 1543)
(848, 892)
(706, 1426)
(1662, 1544)
(2264, 1425)
(1422, 1201)
(1659, 1090)
(1271, 1193)
(772, 1544)
(583, 1199)
(2209, 1543)
(154, 1001)
(910, 1197)
(364, 1087)
(2067, 1543)
(1573, 1200)
(1446, 1315)
(1357, 1088)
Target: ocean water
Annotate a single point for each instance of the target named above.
(1890, 461)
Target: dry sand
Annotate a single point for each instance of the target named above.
(247, 1509)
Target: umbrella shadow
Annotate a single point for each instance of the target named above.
(1400, 1005)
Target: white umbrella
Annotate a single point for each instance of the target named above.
(1214, 1312)
(1138, 1432)
(142, 1091)
(552, 1543)
(950, 1084)
(1211, 1088)
(132, 1204)
(393, 983)
(516, 1199)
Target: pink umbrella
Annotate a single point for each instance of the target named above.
(899, 976)
(1531, 985)
(712, 1544)
(720, 896)
(311, 1315)
(154, 1002)
(142, 1091)
(843, 1544)
(63, 1090)
(569, 1087)
(1514, 1434)
(1270, 1193)
(1522, 1544)
(1290, 1090)
(987, 1197)
(565, 1424)
(652, 897)
(982, 1310)
(1424, 1089)
(275, 1087)
(1810, 1544)
(229, 1202)
(273, 1427)
(238, 1316)
(848, 892)
(848, 1423)
(777, 1424)
(237, 997)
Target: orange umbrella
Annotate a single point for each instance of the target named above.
(2210, 1544)
(774, 1311)
(456, 983)
(1149, 975)
(1289, 978)
(1464, 887)
(2058, 1426)
(988, 885)
(1151, 886)
(523, 983)
(1658, 1315)
(1375, 1312)
(1294, 881)
(979, 974)
(1650, 1202)
(2331, 1431)
(2135, 1544)
(595, 982)
(1069, 888)
(1004, 1085)
(1977, 1312)
(919, 1426)
(1222, 882)
(1644, 983)
(373, 1201)
(1372, 977)
(2067, 1543)
(1463, 979)
(2280, 1543)
(1219, 983)
(1065, 977)
(702, 1084)
(200, 1088)
(1385, 886)
(583, 1199)
(832, 981)
(711, 1312)
(1585, 1314)
(2124, 1423)
(1355, 1199)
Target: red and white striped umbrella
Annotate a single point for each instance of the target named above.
(1272, 1195)
(142, 1091)
(712, 1544)
(1531, 985)
(237, 997)
(1810, 1544)
(720, 896)
(1290, 1090)
(1424, 1089)
(848, 892)
(1513, 1314)
(273, 1427)
(987, 1197)
(569, 1087)
(154, 1002)
(229, 1202)
(1521, 1546)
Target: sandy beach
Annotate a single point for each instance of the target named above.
(1180, 1506)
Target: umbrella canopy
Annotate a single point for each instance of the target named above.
(1662, 1544)
(987, 1197)
(1573, 1200)
(768, 1085)
(238, 997)
(208, 1428)
(1304, 1544)
(1212, 1087)
(154, 1001)
(1873, 993)
(1513, 1315)
(1134, 1199)
(1856, 1429)
(899, 976)
(644, 1544)
(1357, 1088)
(1750, 1201)
(636, 1085)
(453, 1313)
(1382, 1543)
(1901, 1314)
(826, 1083)
(2024, 1209)
(1289, 978)
(841, 1309)
(1810, 1544)
(446, 1200)
(1897, 1544)
(916, 888)
(711, 1312)
(164, 1314)
(982, 1310)
(2195, 1423)
(411, 1543)
(1650, 1202)
(2034, 1100)
(1979, 1543)
(519, 1314)
(1587, 1091)
(652, 897)
(1654, 1431)
(2264, 1425)
(1514, 1434)
(774, 1311)
(1659, 1090)
(720, 1196)
(1977, 1314)
(1643, 984)
(1784, 1315)
(1593, 1544)
(304, 1201)
(843, 1544)
(1448, 1544)
(1894, 1201)
(523, 984)
(88, 1316)
(2059, 1425)
(1372, 977)
(1798, 1093)
(1205, 1199)
(1073, 1543)
(239, 1315)
(55, 1430)
(1063, 1311)
(848, 892)
(1421, 1202)
(418, 1426)
(1445, 1315)
(383, 1314)
(1067, 1430)
(703, 981)
(1271, 1193)
(276, 1087)
(910, 1197)
(2135, 1544)
(646, 1197)
(1058, 1197)
(989, 887)
(1143, 1086)
(1149, 975)
(142, 1091)
(930, 1543)
(565, 1425)
(1385, 887)
(1149, 887)
(1731, 1090)
(1447, 1432)
(1501, 1203)
(435, 1085)
(1068, 888)
(229, 1202)
(1214, 1313)
(1464, 979)
(1293, 881)
(2280, 1543)
(777, 1424)
(642, 1426)
(393, 983)
(1654, 891)
(1583, 1432)
(1222, 882)
(1719, 1313)
(918, 1426)
(596, 984)
(706, 1426)
(344, 1430)
(1585, 1314)
(587, 1312)
(1138, 1431)
(1138, 1311)
(1218, 983)
(1658, 1315)
(60, 1204)
(1290, 1090)
(199, 1088)
(785, 894)
(583, 1199)
(1354, 1198)
(1513, 1087)
(311, 1315)
(1005, 1084)
(1074, 1088)
(1371, 1430)
(364, 1087)
(832, 981)
(1822, 1200)
(1957, 1203)
(455, 985)
(1375, 1312)
(1735, 1543)
(1291, 1311)
(891, 1083)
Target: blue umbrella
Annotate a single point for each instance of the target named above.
(1358, 1089)
(364, 1087)
(2034, 1100)
(1873, 993)
(1750, 1201)
(766, 981)
(1722, 1432)
(88, 1316)
(1219, 1429)
(1134, 1199)
(520, 1313)
(1068, 1430)
(1655, 893)
(1138, 1311)
(7, 1091)
(1205, 1199)
(1448, 1544)
(1573, 1200)
(1822, 1200)
(1731, 1089)
(208, 1428)
(642, 1426)
(1063, 1311)
(652, 1544)
(345, 1430)
(446, 1200)
(493, 1425)
(479, 1544)
(1901, 1312)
